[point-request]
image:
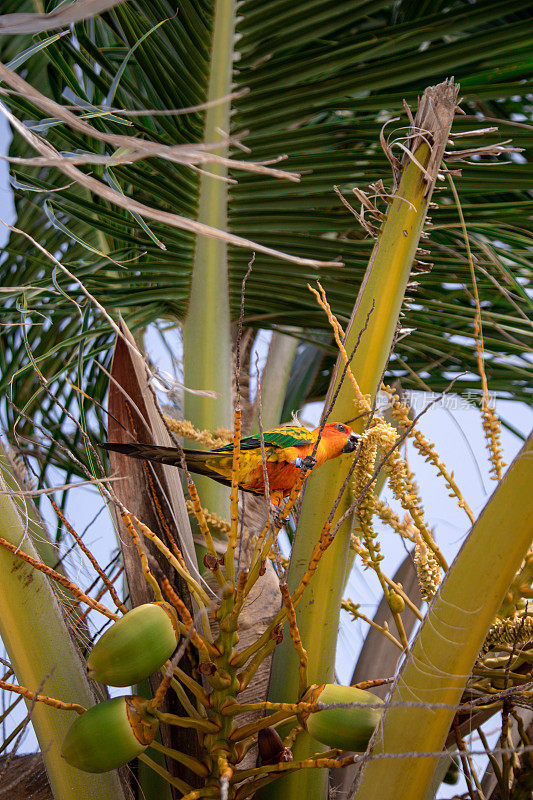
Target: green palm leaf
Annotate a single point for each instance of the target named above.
(321, 78)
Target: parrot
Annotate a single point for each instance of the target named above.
(286, 451)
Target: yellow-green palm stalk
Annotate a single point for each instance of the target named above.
(451, 638)
(46, 660)
(274, 379)
(26, 507)
(40, 538)
(206, 332)
(378, 306)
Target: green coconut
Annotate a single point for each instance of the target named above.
(135, 646)
(344, 728)
(110, 734)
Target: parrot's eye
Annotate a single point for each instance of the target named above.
(340, 428)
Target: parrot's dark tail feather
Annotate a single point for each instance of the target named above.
(148, 452)
(168, 455)
(196, 459)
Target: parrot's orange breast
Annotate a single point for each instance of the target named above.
(281, 477)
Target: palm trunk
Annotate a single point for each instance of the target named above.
(274, 380)
(206, 332)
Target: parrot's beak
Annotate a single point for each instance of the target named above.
(351, 444)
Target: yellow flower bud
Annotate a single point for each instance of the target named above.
(396, 602)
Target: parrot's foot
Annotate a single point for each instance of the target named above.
(307, 463)
(280, 521)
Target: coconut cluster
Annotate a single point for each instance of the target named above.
(113, 732)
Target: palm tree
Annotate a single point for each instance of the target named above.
(315, 81)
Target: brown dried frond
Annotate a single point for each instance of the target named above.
(141, 148)
(437, 103)
(497, 149)
(360, 216)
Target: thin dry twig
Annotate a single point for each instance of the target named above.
(107, 583)
(60, 488)
(41, 698)
(56, 576)
(115, 197)
(16, 24)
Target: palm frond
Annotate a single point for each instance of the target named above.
(314, 81)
